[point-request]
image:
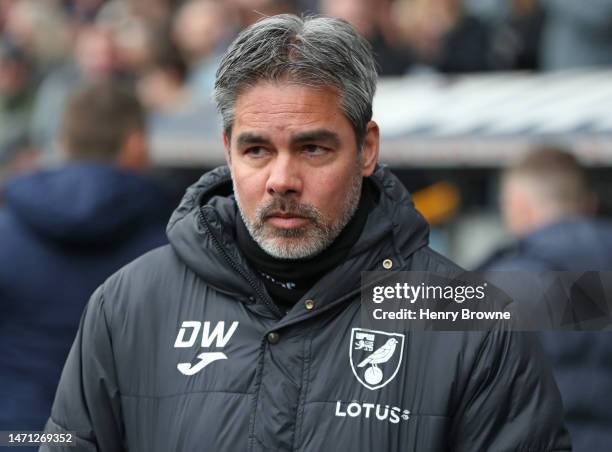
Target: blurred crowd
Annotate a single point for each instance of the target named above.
(168, 50)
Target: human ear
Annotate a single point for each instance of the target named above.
(133, 154)
(370, 149)
(226, 145)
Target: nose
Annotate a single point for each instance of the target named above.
(284, 178)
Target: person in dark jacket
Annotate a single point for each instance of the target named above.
(245, 333)
(547, 203)
(62, 232)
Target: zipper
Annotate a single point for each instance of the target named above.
(238, 268)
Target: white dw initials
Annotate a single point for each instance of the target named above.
(188, 335)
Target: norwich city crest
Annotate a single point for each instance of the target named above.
(375, 356)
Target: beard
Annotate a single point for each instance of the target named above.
(305, 241)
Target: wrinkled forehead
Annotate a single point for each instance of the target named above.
(284, 110)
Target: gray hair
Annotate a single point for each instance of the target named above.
(313, 51)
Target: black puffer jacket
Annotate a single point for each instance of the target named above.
(183, 350)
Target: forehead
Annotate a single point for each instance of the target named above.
(286, 108)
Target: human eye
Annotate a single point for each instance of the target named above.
(315, 150)
(256, 152)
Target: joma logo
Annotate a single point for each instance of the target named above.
(188, 335)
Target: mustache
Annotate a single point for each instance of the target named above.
(287, 206)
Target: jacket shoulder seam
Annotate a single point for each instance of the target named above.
(437, 258)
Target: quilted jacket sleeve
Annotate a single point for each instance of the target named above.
(87, 401)
(511, 402)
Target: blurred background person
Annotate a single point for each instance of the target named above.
(517, 39)
(64, 230)
(41, 29)
(132, 37)
(516, 27)
(94, 59)
(202, 29)
(547, 203)
(162, 82)
(175, 115)
(373, 19)
(443, 35)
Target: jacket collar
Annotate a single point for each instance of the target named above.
(201, 231)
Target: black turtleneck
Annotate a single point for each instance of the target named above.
(287, 280)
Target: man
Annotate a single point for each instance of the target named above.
(547, 203)
(63, 231)
(238, 336)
